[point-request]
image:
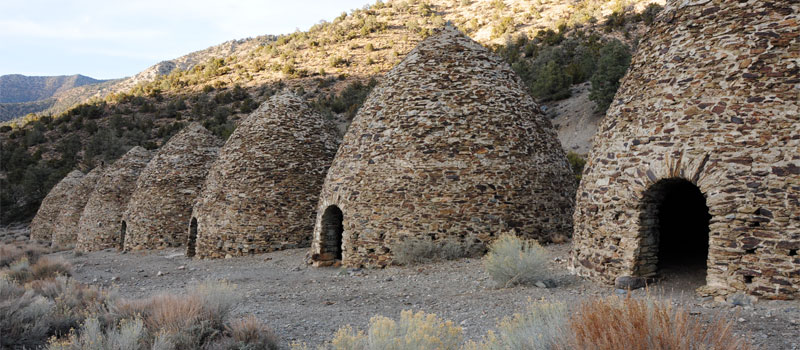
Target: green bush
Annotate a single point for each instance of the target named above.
(551, 82)
(650, 12)
(615, 57)
(506, 25)
(576, 162)
(512, 260)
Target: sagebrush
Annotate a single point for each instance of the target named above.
(415, 251)
(513, 260)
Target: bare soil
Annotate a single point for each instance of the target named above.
(303, 303)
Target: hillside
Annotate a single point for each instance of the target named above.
(40, 100)
(21, 95)
(21, 88)
(551, 45)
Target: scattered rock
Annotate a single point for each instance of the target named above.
(629, 282)
(741, 299)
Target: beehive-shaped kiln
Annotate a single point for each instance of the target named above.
(43, 223)
(448, 148)
(696, 167)
(261, 191)
(160, 208)
(65, 229)
(99, 226)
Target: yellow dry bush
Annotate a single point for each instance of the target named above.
(414, 331)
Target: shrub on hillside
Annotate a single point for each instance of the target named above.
(576, 163)
(513, 260)
(615, 57)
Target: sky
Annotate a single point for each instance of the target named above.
(119, 38)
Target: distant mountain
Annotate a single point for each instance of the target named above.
(21, 95)
(20, 88)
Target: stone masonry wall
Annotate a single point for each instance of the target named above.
(99, 226)
(160, 208)
(711, 97)
(449, 148)
(260, 192)
(65, 228)
(42, 225)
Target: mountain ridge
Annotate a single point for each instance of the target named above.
(17, 88)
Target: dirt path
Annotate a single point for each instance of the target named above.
(309, 304)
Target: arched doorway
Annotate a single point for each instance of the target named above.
(674, 228)
(331, 233)
(122, 232)
(190, 245)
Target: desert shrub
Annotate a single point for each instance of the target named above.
(337, 61)
(640, 324)
(415, 251)
(413, 331)
(551, 83)
(505, 25)
(200, 319)
(24, 316)
(185, 321)
(615, 57)
(615, 20)
(576, 163)
(543, 326)
(11, 253)
(512, 260)
(45, 268)
(247, 333)
(348, 101)
(128, 335)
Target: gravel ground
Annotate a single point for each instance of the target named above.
(303, 303)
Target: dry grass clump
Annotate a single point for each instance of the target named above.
(645, 324)
(32, 313)
(12, 253)
(415, 251)
(128, 335)
(44, 268)
(199, 320)
(247, 333)
(512, 260)
(23, 316)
